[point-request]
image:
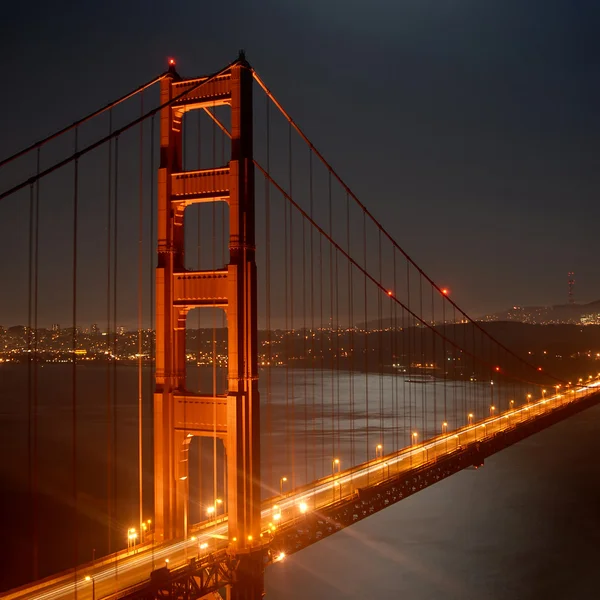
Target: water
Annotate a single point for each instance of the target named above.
(524, 526)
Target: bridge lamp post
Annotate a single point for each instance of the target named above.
(544, 396)
(492, 410)
(211, 513)
(470, 418)
(414, 438)
(281, 482)
(379, 451)
(93, 580)
(528, 398)
(131, 537)
(557, 396)
(336, 465)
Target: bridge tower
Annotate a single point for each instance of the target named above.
(179, 414)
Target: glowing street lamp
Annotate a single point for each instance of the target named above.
(492, 409)
(335, 464)
(379, 451)
(543, 394)
(512, 404)
(528, 398)
(281, 482)
(415, 437)
(90, 578)
(471, 418)
(444, 427)
(131, 537)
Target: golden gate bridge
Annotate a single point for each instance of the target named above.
(327, 378)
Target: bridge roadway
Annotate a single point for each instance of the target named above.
(110, 575)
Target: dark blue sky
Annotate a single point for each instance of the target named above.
(469, 127)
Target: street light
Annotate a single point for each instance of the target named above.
(415, 436)
(492, 409)
(281, 482)
(336, 464)
(444, 427)
(379, 451)
(131, 537)
(470, 418)
(528, 398)
(512, 404)
(543, 394)
(92, 579)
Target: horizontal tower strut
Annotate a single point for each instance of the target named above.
(208, 185)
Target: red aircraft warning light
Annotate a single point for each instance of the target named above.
(172, 62)
(390, 293)
(497, 368)
(445, 291)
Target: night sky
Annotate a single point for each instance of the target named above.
(470, 128)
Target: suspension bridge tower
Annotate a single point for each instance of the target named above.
(179, 414)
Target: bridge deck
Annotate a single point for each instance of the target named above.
(306, 515)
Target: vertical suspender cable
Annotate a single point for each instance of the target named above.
(214, 331)
(408, 332)
(304, 358)
(366, 349)
(109, 434)
(351, 348)
(268, 302)
(36, 254)
(394, 329)
(291, 333)
(322, 356)
(312, 315)
(30, 359)
(151, 280)
(423, 362)
(74, 366)
(337, 353)
(140, 307)
(434, 361)
(330, 328)
(199, 325)
(380, 336)
(115, 334)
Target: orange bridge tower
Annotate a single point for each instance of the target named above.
(179, 414)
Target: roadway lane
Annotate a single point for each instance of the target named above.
(109, 577)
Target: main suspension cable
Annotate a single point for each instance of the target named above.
(76, 124)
